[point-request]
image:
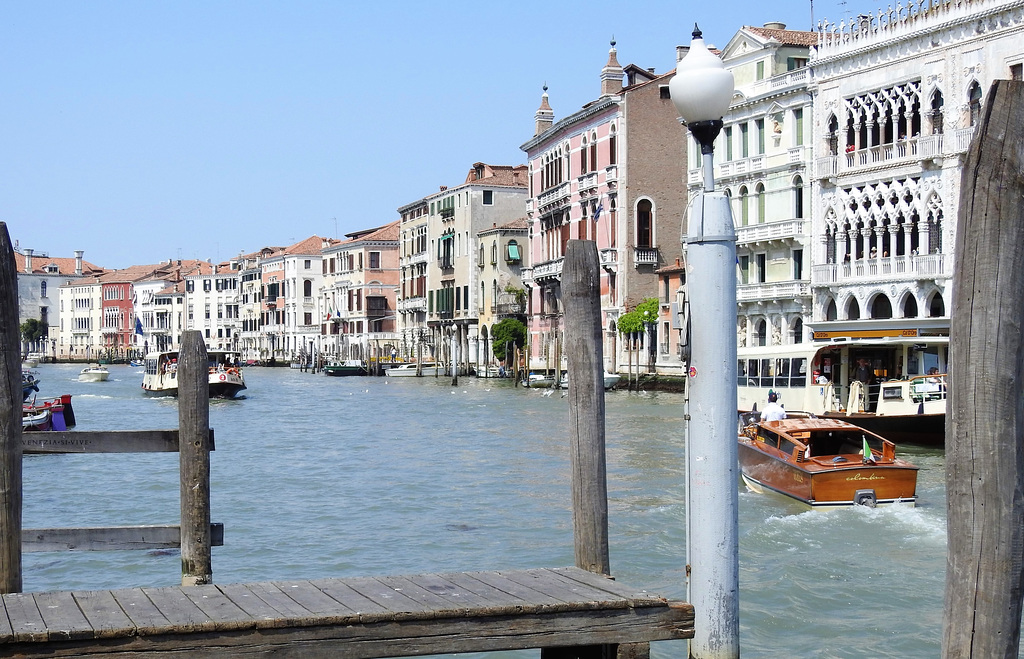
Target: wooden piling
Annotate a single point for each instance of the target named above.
(194, 455)
(581, 294)
(985, 419)
(10, 420)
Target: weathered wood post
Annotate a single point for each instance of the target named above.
(985, 419)
(581, 293)
(194, 455)
(10, 420)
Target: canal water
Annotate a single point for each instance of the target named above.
(329, 477)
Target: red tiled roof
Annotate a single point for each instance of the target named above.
(786, 37)
(65, 265)
(502, 175)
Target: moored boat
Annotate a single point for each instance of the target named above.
(346, 367)
(48, 414)
(94, 373)
(29, 383)
(225, 376)
(408, 369)
(610, 380)
(539, 381)
(825, 463)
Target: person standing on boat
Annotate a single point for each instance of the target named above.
(773, 411)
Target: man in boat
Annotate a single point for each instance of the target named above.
(773, 411)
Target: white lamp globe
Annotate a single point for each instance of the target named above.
(702, 88)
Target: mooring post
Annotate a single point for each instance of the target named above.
(581, 294)
(194, 455)
(10, 420)
(985, 422)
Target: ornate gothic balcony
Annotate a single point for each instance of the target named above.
(889, 268)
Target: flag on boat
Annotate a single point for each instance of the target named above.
(868, 457)
(138, 326)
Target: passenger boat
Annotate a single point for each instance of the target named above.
(408, 369)
(94, 373)
(825, 463)
(346, 367)
(901, 400)
(225, 376)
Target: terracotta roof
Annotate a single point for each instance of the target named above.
(312, 245)
(65, 265)
(167, 270)
(786, 37)
(386, 232)
(503, 175)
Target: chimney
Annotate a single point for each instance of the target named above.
(681, 52)
(545, 116)
(28, 260)
(78, 261)
(443, 188)
(611, 74)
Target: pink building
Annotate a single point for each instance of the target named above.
(613, 172)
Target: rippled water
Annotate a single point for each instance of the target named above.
(327, 477)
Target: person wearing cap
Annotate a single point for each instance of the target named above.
(773, 411)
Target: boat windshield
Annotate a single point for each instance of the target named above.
(839, 442)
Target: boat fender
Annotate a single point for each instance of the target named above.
(865, 498)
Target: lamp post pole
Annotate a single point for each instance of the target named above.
(702, 90)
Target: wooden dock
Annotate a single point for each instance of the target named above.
(348, 618)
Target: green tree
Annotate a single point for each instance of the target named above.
(32, 330)
(504, 335)
(648, 311)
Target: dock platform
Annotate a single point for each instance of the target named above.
(351, 618)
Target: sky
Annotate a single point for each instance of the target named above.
(141, 131)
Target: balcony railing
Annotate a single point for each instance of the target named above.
(926, 266)
(781, 290)
(645, 256)
(906, 150)
(783, 230)
(509, 309)
(609, 257)
(611, 174)
(549, 270)
(587, 182)
(554, 196)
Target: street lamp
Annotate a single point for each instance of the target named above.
(701, 91)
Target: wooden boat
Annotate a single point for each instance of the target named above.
(94, 373)
(825, 463)
(225, 376)
(48, 414)
(346, 367)
(408, 370)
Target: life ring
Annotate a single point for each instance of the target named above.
(222, 377)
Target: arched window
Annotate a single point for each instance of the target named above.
(744, 206)
(644, 224)
(910, 307)
(583, 156)
(494, 252)
(593, 150)
(798, 197)
(512, 253)
(798, 331)
(307, 288)
(854, 310)
(833, 135)
(881, 307)
(936, 306)
(761, 333)
(480, 259)
(831, 312)
(612, 149)
(42, 289)
(759, 192)
(936, 113)
(974, 101)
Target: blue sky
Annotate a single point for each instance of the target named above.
(142, 131)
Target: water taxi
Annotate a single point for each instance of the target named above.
(895, 386)
(161, 375)
(825, 463)
(94, 373)
(408, 369)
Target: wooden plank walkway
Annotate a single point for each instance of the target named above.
(353, 618)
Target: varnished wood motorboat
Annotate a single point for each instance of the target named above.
(825, 463)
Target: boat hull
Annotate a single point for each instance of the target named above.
(344, 371)
(406, 370)
(822, 484)
(93, 376)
